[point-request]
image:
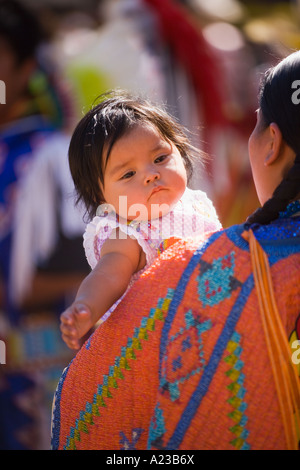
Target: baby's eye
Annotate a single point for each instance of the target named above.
(160, 159)
(128, 175)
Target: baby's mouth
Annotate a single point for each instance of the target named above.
(155, 190)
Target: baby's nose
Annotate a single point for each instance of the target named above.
(152, 177)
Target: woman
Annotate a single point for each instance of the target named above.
(187, 361)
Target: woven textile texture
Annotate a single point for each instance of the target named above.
(182, 362)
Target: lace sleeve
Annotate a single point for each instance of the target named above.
(101, 228)
(96, 233)
(204, 206)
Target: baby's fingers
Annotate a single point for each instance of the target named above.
(67, 317)
(67, 329)
(71, 342)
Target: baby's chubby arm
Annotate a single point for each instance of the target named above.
(120, 259)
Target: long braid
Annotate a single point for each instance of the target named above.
(287, 191)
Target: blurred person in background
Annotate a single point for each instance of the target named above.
(41, 256)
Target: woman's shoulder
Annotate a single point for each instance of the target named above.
(214, 244)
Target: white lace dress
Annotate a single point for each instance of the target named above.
(193, 215)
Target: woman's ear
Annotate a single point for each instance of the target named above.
(276, 141)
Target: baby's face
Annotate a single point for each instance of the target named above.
(145, 175)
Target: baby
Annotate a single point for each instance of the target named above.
(130, 162)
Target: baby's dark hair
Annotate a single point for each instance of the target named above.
(102, 126)
(277, 105)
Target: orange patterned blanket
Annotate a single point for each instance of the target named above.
(182, 362)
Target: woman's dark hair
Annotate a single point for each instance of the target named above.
(102, 126)
(277, 105)
(20, 28)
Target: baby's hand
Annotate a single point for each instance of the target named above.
(76, 321)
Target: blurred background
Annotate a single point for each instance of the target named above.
(203, 59)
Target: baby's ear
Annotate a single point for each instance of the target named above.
(276, 141)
